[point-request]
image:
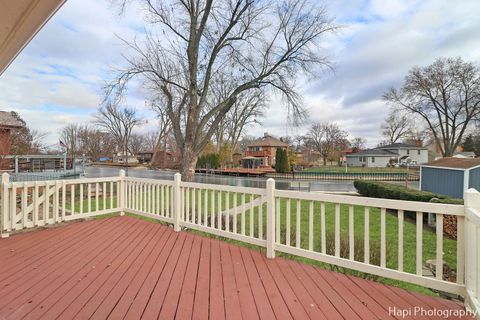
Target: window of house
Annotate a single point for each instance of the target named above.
(408, 151)
(373, 159)
(418, 152)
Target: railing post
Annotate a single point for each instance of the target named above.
(121, 193)
(177, 213)
(271, 218)
(472, 250)
(4, 226)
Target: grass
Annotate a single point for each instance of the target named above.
(429, 237)
(341, 169)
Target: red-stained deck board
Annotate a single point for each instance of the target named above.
(21, 294)
(127, 268)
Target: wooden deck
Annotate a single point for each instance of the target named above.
(127, 268)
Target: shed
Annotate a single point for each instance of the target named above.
(450, 176)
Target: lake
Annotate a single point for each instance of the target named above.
(260, 182)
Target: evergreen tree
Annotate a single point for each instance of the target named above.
(281, 161)
(278, 159)
(285, 162)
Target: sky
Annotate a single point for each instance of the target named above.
(58, 78)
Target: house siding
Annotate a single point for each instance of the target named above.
(380, 161)
(444, 181)
(474, 179)
(413, 154)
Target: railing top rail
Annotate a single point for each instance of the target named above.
(153, 181)
(440, 208)
(473, 215)
(21, 184)
(216, 187)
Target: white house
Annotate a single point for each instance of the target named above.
(408, 152)
(371, 158)
(392, 153)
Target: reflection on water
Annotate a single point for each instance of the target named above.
(260, 182)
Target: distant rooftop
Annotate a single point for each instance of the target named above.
(399, 145)
(268, 141)
(8, 120)
(457, 163)
(373, 152)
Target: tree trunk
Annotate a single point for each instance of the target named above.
(188, 163)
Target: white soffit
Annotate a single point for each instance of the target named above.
(20, 20)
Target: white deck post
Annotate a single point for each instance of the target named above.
(121, 193)
(271, 218)
(4, 227)
(472, 250)
(177, 213)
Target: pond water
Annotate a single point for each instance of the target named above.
(260, 182)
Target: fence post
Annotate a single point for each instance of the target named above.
(177, 206)
(4, 226)
(271, 218)
(121, 193)
(472, 250)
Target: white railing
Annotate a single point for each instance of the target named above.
(382, 237)
(39, 203)
(472, 249)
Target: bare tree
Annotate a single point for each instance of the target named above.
(94, 143)
(162, 135)
(119, 122)
(26, 140)
(446, 95)
(69, 136)
(137, 143)
(245, 141)
(327, 138)
(358, 143)
(192, 45)
(244, 112)
(151, 140)
(299, 139)
(395, 127)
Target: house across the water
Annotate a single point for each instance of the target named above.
(395, 153)
(7, 123)
(261, 152)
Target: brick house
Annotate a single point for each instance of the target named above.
(7, 123)
(261, 152)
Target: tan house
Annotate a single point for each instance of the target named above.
(261, 152)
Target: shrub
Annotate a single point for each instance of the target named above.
(210, 161)
(281, 161)
(386, 190)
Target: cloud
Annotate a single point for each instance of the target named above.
(58, 78)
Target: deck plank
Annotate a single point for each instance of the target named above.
(202, 292)
(187, 294)
(216, 303)
(47, 278)
(172, 297)
(71, 288)
(140, 302)
(86, 304)
(128, 268)
(157, 297)
(124, 303)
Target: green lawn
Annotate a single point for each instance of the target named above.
(429, 237)
(341, 169)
